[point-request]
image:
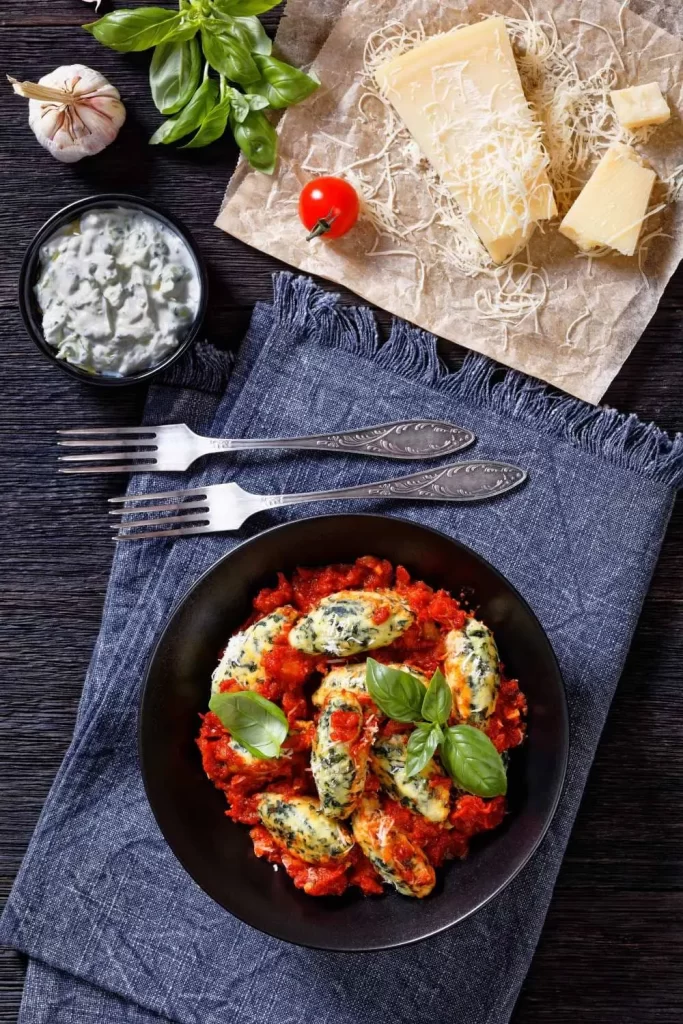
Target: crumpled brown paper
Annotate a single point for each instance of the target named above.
(595, 310)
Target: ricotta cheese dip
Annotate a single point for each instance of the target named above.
(118, 290)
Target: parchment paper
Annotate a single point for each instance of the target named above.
(612, 299)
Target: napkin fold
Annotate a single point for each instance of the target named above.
(115, 930)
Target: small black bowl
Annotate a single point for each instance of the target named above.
(218, 853)
(30, 310)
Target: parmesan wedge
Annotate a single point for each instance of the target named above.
(461, 97)
(612, 206)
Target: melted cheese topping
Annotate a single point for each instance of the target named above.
(388, 762)
(243, 657)
(339, 768)
(348, 622)
(471, 668)
(390, 851)
(300, 825)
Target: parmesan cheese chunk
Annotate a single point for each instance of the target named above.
(640, 105)
(461, 97)
(612, 206)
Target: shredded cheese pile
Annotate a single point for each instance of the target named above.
(576, 121)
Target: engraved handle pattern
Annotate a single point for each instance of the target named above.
(461, 481)
(410, 439)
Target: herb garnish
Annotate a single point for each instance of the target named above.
(223, 36)
(467, 754)
(254, 722)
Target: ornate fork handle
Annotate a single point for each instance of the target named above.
(463, 481)
(412, 439)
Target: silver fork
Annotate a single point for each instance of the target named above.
(175, 446)
(226, 506)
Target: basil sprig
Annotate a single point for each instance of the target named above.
(466, 753)
(226, 37)
(254, 722)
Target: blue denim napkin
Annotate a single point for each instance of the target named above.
(115, 930)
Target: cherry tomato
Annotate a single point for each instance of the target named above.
(328, 206)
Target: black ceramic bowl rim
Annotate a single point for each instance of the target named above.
(397, 942)
(30, 310)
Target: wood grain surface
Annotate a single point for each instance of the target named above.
(612, 948)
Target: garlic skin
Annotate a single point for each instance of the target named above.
(74, 111)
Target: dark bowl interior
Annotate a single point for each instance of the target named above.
(30, 310)
(218, 853)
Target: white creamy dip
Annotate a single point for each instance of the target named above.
(118, 290)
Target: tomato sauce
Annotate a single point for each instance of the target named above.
(291, 678)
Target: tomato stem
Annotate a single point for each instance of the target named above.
(322, 227)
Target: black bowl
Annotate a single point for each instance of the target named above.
(30, 310)
(218, 853)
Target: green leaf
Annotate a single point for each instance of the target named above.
(212, 127)
(174, 74)
(229, 57)
(252, 34)
(239, 104)
(190, 117)
(256, 723)
(141, 28)
(256, 102)
(472, 761)
(257, 139)
(280, 83)
(436, 707)
(240, 8)
(398, 694)
(421, 746)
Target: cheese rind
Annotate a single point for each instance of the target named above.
(640, 105)
(461, 97)
(612, 206)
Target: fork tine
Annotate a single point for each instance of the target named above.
(153, 534)
(196, 517)
(118, 443)
(157, 508)
(196, 492)
(151, 431)
(129, 467)
(149, 457)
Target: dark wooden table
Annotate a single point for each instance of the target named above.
(612, 948)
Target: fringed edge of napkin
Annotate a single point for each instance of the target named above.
(202, 368)
(619, 438)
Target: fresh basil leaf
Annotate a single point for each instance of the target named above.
(256, 723)
(398, 694)
(280, 83)
(421, 746)
(257, 139)
(472, 761)
(174, 74)
(141, 28)
(212, 127)
(229, 57)
(436, 707)
(251, 33)
(256, 102)
(239, 8)
(239, 105)
(190, 117)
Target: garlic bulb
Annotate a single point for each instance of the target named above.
(74, 111)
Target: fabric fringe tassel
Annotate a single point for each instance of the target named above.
(203, 368)
(624, 440)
